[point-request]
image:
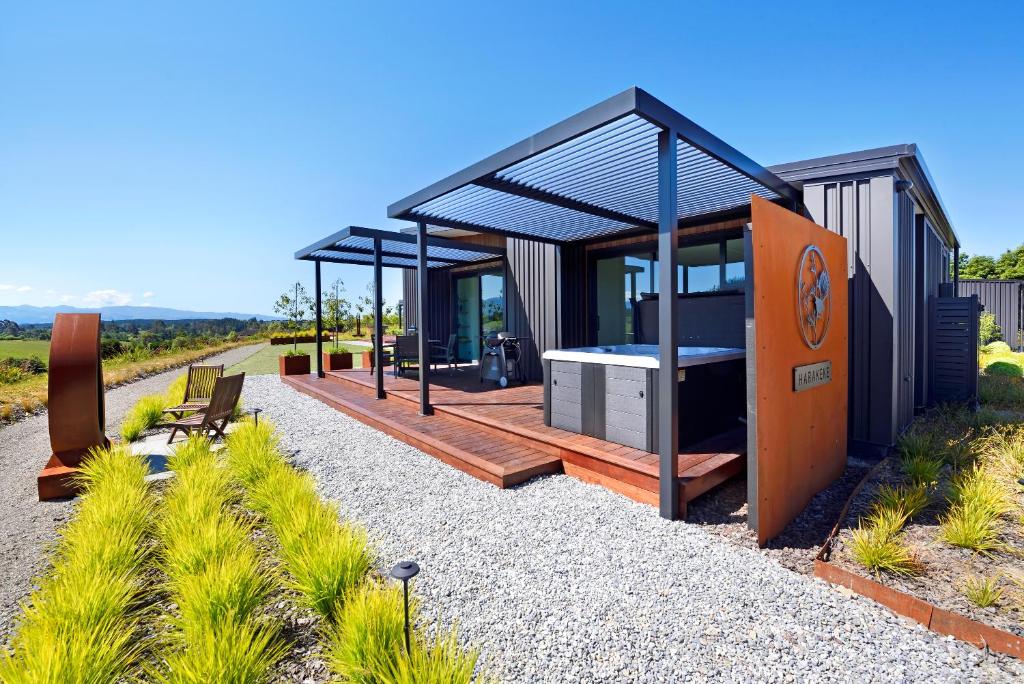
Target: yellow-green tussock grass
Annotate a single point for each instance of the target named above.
(922, 470)
(79, 624)
(145, 414)
(325, 557)
(368, 638)
(440, 659)
(978, 500)
(215, 576)
(910, 501)
(877, 543)
(982, 591)
(192, 450)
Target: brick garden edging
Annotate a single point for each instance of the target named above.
(934, 618)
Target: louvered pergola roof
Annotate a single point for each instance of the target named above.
(355, 245)
(595, 176)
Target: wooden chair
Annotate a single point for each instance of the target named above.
(214, 419)
(198, 390)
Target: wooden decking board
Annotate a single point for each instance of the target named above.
(500, 435)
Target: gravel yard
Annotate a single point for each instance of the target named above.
(26, 524)
(562, 581)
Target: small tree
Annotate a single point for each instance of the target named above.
(337, 308)
(294, 305)
(363, 304)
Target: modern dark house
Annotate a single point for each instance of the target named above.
(806, 316)
(900, 246)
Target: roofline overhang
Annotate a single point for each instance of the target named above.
(631, 101)
(905, 160)
(327, 243)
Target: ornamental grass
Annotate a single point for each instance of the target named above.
(215, 576)
(80, 623)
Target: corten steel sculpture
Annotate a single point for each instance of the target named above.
(75, 403)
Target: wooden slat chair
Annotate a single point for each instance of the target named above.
(214, 419)
(198, 390)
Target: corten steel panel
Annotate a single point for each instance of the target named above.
(800, 437)
(75, 409)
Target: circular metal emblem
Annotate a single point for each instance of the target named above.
(813, 297)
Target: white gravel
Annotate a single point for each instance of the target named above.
(560, 581)
(27, 525)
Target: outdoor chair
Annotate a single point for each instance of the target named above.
(198, 390)
(406, 352)
(445, 353)
(387, 356)
(214, 420)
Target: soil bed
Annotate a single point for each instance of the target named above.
(944, 567)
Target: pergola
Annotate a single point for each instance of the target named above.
(628, 165)
(380, 249)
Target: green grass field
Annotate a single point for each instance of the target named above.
(24, 349)
(264, 362)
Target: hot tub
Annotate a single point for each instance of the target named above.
(610, 392)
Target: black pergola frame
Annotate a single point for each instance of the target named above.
(446, 254)
(672, 129)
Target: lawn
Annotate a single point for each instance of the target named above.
(24, 349)
(264, 362)
(998, 359)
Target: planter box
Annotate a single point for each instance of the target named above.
(367, 359)
(334, 361)
(293, 365)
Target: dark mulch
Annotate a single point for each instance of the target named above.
(723, 511)
(944, 566)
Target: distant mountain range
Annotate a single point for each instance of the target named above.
(29, 315)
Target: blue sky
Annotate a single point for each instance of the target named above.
(178, 155)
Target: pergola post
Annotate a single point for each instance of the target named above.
(421, 317)
(378, 319)
(668, 392)
(319, 325)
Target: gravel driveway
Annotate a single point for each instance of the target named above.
(560, 581)
(26, 524)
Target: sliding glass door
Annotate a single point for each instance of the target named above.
(479, 311)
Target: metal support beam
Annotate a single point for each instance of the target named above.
(378, 318)
(421, 317)
(319, 325)
(668, 390)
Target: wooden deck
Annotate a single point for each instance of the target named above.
(498, 435)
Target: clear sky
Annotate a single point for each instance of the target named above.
(179, 154)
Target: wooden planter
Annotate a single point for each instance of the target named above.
(334, 361)
(293, 365)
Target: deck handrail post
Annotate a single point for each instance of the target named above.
(668, 393)
(319, 324)
(378, 318)
(421, 317)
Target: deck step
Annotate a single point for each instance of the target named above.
(481, 453)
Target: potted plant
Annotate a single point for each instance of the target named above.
(337, 308)
(293, 305)
(293, 362)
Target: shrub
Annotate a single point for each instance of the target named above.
(1005, 368)
(78, 624)
(1001, 390)
(988, 329)
(295, 352)
(998, 347)
(982, 592)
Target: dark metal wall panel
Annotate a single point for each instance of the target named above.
(531, 300)
(439, 306)
(864, 211)
(572, 295)
(1005, 299)
(932, 258)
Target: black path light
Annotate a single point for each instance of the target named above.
(256, 415)
(405, 571)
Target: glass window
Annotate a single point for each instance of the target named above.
(700, 268)
(735, 269)
(492, 303)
